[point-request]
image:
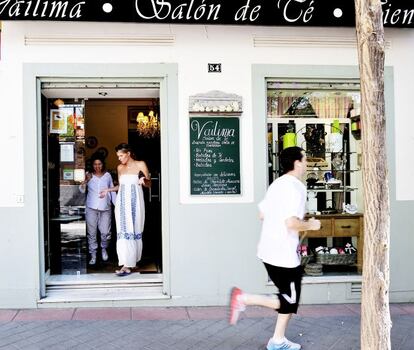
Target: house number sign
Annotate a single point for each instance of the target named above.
(214, 67)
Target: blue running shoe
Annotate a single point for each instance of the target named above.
(284, 345)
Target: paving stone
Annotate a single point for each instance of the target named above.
(397, 309)
(159, 313)
(44, 315)
(11, 347)
(325, 310)
(205, 313)
(28, 347)
(408, 308)
(103, 314)
(7, 315)
(318, 327)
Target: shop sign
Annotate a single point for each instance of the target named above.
(215, 155)
(215, 143)
(332, 13)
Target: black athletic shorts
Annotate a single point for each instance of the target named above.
(289, 282)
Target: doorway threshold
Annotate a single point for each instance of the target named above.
(102, 287)
(102, 278)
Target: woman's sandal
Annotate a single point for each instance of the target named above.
(122, 272)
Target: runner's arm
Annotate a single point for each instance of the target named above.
(294, 223)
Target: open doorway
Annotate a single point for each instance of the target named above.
(82, 121)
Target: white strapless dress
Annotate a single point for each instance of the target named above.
(130, 219)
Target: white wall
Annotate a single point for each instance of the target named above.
(11, 142)
(194, 47)
(401, 56)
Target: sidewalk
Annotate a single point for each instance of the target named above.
(316, 327)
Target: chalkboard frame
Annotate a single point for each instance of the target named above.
(215, 170)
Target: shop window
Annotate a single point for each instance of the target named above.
(323, 119)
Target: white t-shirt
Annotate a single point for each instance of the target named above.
(95, 186)
(285, 198)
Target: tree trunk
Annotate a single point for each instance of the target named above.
(375, 313)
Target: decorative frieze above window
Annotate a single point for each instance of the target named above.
(216, 102)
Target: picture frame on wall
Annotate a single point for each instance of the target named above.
(67, 152)
(58, 122)
(79, 175)
(68, 174)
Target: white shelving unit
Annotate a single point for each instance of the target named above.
(352, 168)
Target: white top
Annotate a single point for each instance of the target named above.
(278, 245)
(95, 186)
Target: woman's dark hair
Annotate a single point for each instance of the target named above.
(125, 148)
(288, 157)
(96, 157)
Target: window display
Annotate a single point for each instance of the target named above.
(320, 118)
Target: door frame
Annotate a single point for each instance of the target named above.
(35, 74)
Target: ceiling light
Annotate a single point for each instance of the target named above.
(148, 123)
(58, 102)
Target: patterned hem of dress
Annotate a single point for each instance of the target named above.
(129, 236)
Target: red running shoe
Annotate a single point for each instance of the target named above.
(236, 305)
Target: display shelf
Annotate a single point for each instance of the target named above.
(287, 117)
(322, 164)
(341, 225)
(340, 189)
(312, 170)
(330, 153)
(338, 170)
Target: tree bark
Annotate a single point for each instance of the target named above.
(375, 313)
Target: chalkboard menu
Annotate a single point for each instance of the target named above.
(215, 155)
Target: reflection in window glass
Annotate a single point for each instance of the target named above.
(313, 100)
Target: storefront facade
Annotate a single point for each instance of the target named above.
(208, 241)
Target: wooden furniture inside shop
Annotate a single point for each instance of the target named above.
(341, 225)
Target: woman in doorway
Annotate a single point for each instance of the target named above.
(98, 212)
(129, 208)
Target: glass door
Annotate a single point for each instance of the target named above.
(63, 139)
